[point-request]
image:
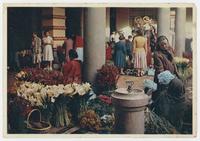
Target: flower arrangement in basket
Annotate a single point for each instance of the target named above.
(53, 101)
(106, 78)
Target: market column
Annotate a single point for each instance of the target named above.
(94, 41)
(164, 22)
(53, 19)
(180, 31)
(107, 24)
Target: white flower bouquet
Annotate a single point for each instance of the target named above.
(53, 99)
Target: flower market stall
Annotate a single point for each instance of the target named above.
(71, 108)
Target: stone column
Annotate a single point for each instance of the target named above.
(94, 41)
(180, 31)
(82, 21)
(107, 24)
(164, 22)
(53, 19)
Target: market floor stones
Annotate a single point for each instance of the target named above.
(138, 81)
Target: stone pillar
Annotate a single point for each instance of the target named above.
(129, 111)
(180, 31)
(164, 22)
(82, 21)
(94, 41)
(107, 24)
(54, 20)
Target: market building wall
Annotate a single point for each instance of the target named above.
(54, 20)
(122, 21)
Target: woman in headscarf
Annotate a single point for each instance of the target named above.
(163, 58)
(170, 99)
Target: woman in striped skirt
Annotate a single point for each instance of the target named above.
(139, 51)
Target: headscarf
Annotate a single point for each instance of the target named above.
(165, 77)
(168, 52)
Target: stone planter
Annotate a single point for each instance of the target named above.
(129, 111)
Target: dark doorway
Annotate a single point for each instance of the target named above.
(73, 21)
(112, 19)
(22, 22)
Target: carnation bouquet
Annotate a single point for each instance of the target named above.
(106, 78)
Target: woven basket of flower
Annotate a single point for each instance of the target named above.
(35, 123)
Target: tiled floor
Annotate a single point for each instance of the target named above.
(138, 81)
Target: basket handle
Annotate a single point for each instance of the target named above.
(28, 124)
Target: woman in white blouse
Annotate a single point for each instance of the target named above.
(48, 50)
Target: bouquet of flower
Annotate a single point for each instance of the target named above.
(106, 78)
(181, 63)
(90, 120)
(54, 99)
(103, 109)
(22, 75)
(184, 70)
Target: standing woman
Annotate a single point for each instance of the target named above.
(120, 53)
(37, 50)
(140, 51)
(68, 45)
(48, 49)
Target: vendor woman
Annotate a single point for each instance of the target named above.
(163, 58)
(72, 69)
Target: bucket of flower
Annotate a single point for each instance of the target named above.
(35, 124)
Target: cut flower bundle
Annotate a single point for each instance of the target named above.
(37, 93)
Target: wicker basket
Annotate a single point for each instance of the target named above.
(32, 125)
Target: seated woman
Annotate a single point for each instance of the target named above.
(72, 69)
(170, 100)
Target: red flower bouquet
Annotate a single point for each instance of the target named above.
(106, 78)
(43, 76)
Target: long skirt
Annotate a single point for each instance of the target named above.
(140, 59)
(48, 53)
